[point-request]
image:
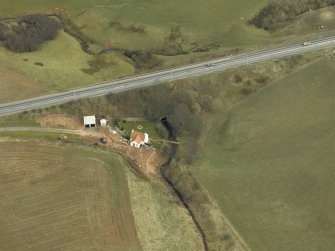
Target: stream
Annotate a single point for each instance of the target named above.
(163, 169)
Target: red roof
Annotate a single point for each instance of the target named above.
(138, 137)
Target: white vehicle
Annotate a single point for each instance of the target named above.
(112, 130)
(210, 65)
(306, 43)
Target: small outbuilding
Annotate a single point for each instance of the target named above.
(103, 122)
(89, 121)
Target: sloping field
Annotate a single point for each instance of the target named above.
(269, 163)
(63, 198)
(56, 66)
(11, 81)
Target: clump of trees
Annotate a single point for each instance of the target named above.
(28, 33)
(278, 12)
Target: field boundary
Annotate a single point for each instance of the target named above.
(226, 220)
(39, 129)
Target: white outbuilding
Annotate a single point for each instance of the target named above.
(103, 122)
(89, 121)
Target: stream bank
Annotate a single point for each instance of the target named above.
(165, 167)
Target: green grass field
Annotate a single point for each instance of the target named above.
(269, 162)
(14, 122)
(63, 61)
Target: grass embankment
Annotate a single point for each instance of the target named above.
(13, 121)
(268, 162)
(64, 198)
(162, 222)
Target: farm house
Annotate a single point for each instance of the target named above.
(138, 139)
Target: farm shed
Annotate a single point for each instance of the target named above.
(89, 121)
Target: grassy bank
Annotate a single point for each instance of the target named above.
(161, 220)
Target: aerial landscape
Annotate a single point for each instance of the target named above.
(167, 125)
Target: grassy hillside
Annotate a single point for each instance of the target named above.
(11, 81)
(269, 162)
(63, 198)
(58, 65)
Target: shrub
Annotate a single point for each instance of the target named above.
(262, 80)
(99, 62)
(143, 59)
(238, 78)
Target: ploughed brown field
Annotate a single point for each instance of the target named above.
(63, 198)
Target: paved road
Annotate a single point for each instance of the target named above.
(168, 75)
